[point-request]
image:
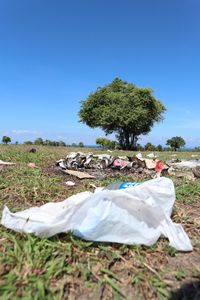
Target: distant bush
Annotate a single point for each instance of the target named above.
(149, 147)
(62, 144)
(167, 149)
(39, 141)
(28, 143)
(106, 143)
(197, 149)
(159, 148)
(6, 139)
(81, 145)
(139, 147)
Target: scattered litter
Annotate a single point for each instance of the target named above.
(187, 164)
(70, 183)
(187, 170)
(6, 163)
(32, 165)
(119, 163)
(74, 154)
(172, 161)
(159, 166)
(150, 163)
(61, 163)
(139, 156)
(120, 185)
(194, 155)
(152, 155)
(197, 222)
(185, 175)
(93, 185)
(136, 215)
(196, 171)
(80, 175)
(181, 174)
(101, 156)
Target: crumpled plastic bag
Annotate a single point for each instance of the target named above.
(136, 215)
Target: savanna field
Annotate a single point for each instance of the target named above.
(66, 267)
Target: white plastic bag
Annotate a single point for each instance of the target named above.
(136, 215)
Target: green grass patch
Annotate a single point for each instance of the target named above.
(64, 266)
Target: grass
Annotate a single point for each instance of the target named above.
(66, 267)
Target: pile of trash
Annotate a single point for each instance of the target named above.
(80, 161)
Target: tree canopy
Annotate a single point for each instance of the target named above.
(105, 143)
(124, 109)
(6, 139)
(28, 143)
(176, 142)
(81, 145)
(39, 141)
(149, 147)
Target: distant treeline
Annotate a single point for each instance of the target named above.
(174, 144)
(108, 144)
(40, 141)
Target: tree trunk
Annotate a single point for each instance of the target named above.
(120, 138)
(127, 141)
(134, 140)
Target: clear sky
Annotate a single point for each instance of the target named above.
(53, 53)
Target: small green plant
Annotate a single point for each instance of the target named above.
(180, 274)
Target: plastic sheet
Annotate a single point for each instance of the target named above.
(135, 215)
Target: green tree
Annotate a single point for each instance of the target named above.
(124, 109)
(28, 143)
(149, 147)
(47, 143)
(55, 143)
(176, 142)
(39, 141)
(197, 149)
(62, 144)
(159, 148)
(6, 139)
(139, 147)
(81, 145)
(101, 142)
(106, 143)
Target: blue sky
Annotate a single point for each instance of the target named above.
(54, 53)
